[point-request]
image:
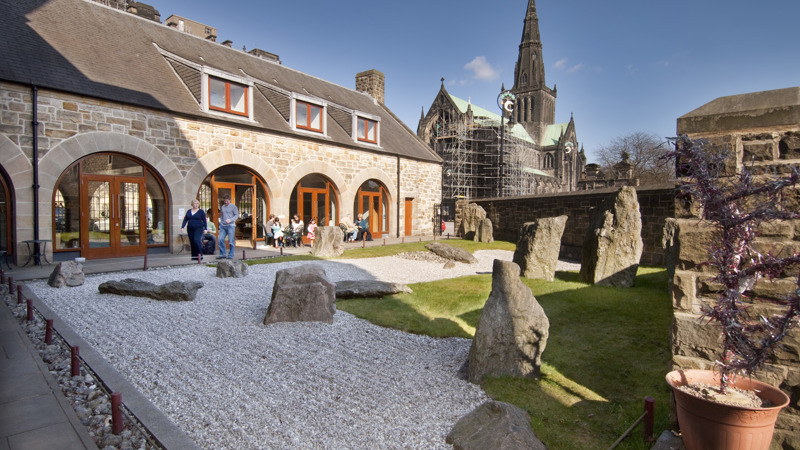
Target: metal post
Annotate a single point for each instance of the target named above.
(649, 409)
(116, 412)
(20, 299)
(145, 262)
(244, 255)
(48, 332)
(76, 363)
(10, 284)
(30, 310)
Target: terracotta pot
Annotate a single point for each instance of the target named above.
(706, 425)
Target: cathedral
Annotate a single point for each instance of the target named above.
(528, 154)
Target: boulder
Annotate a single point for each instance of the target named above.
(368, 288)
(512, 330)
(495, 425)
(66, 273)
(302, 294)
(485, 231)
(451, 253)
(231, 268)
(174, 290)
(471, 216)
(538, 247)
(613, 244)
(328, 242)
(450, 264)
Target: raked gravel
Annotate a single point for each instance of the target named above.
(229, 381)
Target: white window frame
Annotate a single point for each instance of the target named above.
(376, 119)
(322, 104)
(208, 71)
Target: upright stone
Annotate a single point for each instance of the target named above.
(471, 216)
(613, 244)
(538, 247)
(512, 331)
(328, 242)
(302, 294)
(66, 273)
(485, 231)
(495, 425)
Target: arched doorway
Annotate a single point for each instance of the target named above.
(248, 192)
(372, 202)
(315, 196)
(6, 227)
(109, 205)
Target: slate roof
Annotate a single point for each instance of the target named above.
(85, 48)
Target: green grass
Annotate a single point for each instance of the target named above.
(608, 349)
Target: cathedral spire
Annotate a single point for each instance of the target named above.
(529, 71)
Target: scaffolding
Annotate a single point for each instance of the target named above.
(472, 162)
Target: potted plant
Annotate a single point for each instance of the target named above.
(735, 205)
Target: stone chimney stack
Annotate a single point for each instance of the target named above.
(372, 83)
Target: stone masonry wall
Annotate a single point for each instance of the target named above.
(694, 343)
(508, 215)
(194, 148)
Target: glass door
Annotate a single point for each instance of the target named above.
(110, 218)
(241, 196)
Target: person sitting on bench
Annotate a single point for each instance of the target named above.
(363, 229)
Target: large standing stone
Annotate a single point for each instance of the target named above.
(231, 269)
(538, 247)
(66, 273)
(174, 290)
(613, 244)
(302, 294)
(495, 425)
(451, 253)
(328, 242)
(485, 231)
(471, 216)
(512, 330)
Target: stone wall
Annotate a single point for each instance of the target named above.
(762, 131)
(183, 151)
(508, 215)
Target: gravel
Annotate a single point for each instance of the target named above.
(229, 381)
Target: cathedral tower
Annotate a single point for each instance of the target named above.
(536, 103)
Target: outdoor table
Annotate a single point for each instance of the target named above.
(40, 253)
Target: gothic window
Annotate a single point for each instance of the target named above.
(524, 78)
(548, 161)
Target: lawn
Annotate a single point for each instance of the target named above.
(608, 349)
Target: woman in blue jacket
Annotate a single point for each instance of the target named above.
(196, 220)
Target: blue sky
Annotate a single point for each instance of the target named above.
(620, 66)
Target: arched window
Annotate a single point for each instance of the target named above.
(372, 201)
(548, 161)
(107, 205)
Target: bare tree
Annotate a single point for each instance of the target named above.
(642, 151)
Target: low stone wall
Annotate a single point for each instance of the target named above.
(508, 214)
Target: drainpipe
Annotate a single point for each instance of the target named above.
(35, 123)
(398, 196)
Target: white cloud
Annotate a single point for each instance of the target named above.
(575, 68)
(560, 64)
(482, 70)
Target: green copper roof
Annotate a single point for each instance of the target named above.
(553, 132)
(536, 171)
(487, 118)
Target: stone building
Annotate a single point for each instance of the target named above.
(107, 134)
(762, 130)
(538, 155)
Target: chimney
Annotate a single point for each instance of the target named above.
(371, 82)
(265, 55)
(227, 43)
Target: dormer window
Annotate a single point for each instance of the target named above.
(308, 116)
(367, 130)
(227, 96)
